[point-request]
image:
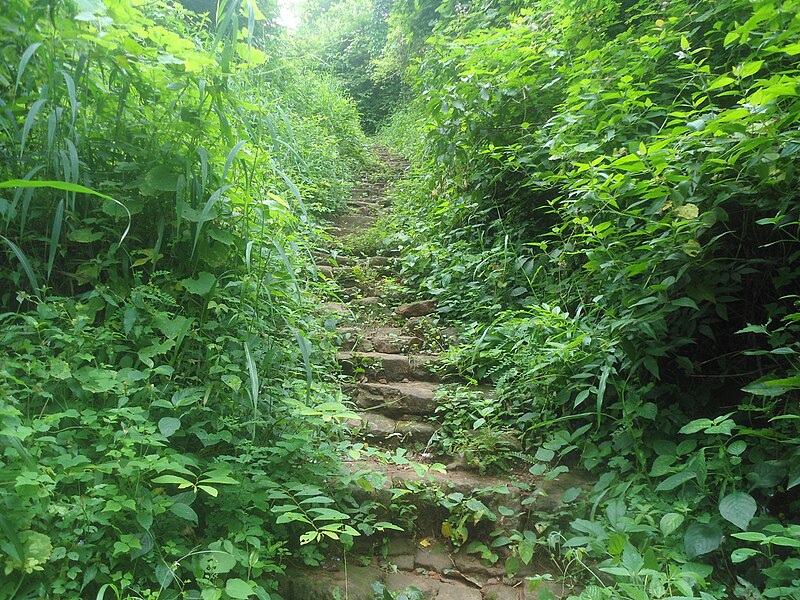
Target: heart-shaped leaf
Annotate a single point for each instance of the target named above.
(738, 508)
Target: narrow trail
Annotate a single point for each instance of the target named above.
(392, 374)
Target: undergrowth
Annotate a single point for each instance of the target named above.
(603, 196)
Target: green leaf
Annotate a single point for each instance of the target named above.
(238, 588)
(67, 187)
(23, 260)
(162, 179)
(673, 481)
(184, 511)
(201, 286)
(701, 538)
(632, 560)
(169, 425)
(749, 68)
(670, 522)
(172, 479)
(738, 508)
(742, 554)
(721, 81)
(526, 550)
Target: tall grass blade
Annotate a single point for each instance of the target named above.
(73, 96)
(293, 188)
(305, 351)
(29, 121)
(68, 187)
(55, 236)
(231, 157)
(23, 63)
(286, 263)
(205, 214)
(15, 550)
(20, 191)
(23, 260)
(203, 153)
(251, 368)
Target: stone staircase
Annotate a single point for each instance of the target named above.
(391, 372)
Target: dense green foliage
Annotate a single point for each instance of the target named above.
(606, 198)
(348, 39)
(159, 387)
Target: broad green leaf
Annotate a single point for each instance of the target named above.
(738, 508)
(742, 554)
(201, 285)
(720, 81)
(632, 560)
(172, 479)
(701, 538)
(239, 589)
(673, 481)
(184, 511)
(162, 179)
(670, 522)
(168, 425)
(749, 68)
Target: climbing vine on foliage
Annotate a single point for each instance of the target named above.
(606, 197)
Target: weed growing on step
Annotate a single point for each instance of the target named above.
(473, 430)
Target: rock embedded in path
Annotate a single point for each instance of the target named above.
(333, 307)
(411, 398)
(416, 309)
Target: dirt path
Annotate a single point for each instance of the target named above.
(393, 374)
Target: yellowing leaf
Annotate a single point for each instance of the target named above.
(447, 529)
(687, 211)
(684, 43)
(425, 542)
(659, 22)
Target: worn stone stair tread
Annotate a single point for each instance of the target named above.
(388, 340)
(354, 221)
(508, 489)
(355, 583)
(393, 431)
(396, 398)
(392, 367)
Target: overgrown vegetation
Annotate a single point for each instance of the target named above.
(606, 198)
(603, 197)
(164, 430)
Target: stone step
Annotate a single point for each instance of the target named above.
(419, 308)
(344, 276)
(527, 496)
(356, 582)
(334, 259)
(396, 398)
(391, 367)
(354, 222)
(389, 433)
(388, 340)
